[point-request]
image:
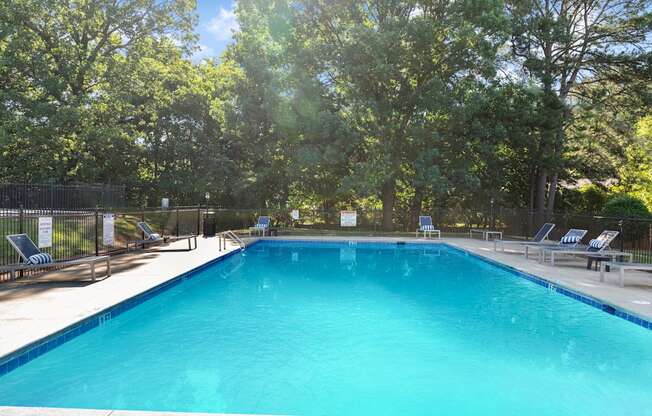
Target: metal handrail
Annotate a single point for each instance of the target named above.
(229, 234)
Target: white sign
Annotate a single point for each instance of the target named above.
(348, 218)
(44, 232)
(108, 229)
(295, 214)
(165, 203)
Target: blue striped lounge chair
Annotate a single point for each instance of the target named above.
(33, 259)
(570, 240)
(541, 237)
(599, 246)
(426, 227)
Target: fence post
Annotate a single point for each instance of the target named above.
(198, 218)
(177, 231)
(142, 218)
(20, 219)
(20, 230)
(97, 240)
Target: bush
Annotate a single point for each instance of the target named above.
(586, 199)
(625, 206)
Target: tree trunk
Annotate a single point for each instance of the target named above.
(415, 208)
(388, 196)
(533, 183)
(540, 197)
(552, 191)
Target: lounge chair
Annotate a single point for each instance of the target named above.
(570, 240)
(425, 226)
(623, 267)
(154, 238)
(539, 238)
(262, 225)
(597, 247)
(33, 259)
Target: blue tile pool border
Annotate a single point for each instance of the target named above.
(39, 347)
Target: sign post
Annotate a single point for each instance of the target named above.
(108, 229)
(44, 232)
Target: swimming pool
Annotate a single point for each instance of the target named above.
(311, 328)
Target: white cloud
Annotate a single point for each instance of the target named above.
(203, 52)
(224, 24)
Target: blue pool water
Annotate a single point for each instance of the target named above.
(334, 329)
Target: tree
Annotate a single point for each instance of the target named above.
(391, 64)
(59, 58)
(635, 176)
(561, 44)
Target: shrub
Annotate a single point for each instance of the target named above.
(625, 206)
(587, 199)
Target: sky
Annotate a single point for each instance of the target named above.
(215, 26)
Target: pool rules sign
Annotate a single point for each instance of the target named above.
(44, 232)
(108, 229)
(348, 218)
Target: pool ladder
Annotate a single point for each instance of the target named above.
(229, 235)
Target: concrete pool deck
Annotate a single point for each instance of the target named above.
(32, 309)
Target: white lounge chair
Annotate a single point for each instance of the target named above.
(597, 246)
(622, 266)
(539, 238)
(34, 259)
(154, 238)
(426, 227)
(570, 240)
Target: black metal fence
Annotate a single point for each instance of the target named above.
(51, 196)
(78, 233)
(635, 234)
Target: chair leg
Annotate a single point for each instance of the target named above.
(93, 271)
(602, 272)
(108, 266)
